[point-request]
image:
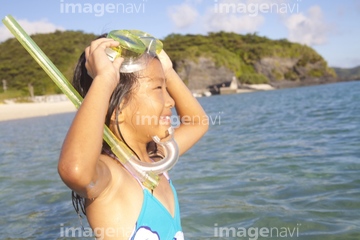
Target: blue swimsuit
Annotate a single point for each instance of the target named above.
(155, 222)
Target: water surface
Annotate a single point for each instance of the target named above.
(285, 160)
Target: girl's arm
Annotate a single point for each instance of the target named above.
(79, 165)
(194, 122)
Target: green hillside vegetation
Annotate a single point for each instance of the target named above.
(236, 52)
(19, 69)
(240, 52)
(348, 73)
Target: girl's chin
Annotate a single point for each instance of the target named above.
(164, 133)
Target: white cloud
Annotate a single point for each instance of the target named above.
(221, 15)
(183, 15)
(215, 20)
(41, 26)
(310, 29)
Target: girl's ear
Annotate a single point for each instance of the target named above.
(120, 115)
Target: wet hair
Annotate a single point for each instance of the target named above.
(82, 82)
(121, 94)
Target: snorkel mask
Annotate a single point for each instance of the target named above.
(136, 47)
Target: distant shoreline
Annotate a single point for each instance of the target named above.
(13, 111)
(56, 104)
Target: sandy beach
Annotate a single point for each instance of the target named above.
(13, 111)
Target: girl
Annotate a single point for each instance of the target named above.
(116, 203)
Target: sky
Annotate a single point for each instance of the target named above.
(330, 27)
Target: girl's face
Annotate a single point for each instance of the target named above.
(148, 112)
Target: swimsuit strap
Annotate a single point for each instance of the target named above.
(167, 176)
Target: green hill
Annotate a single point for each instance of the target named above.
(348, 74)
(19, 69)
(251, 58)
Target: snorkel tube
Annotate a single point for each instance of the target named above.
(146, 172)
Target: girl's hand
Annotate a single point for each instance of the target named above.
(98, 63)
(165, 62)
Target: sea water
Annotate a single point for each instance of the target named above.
(282, 164)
